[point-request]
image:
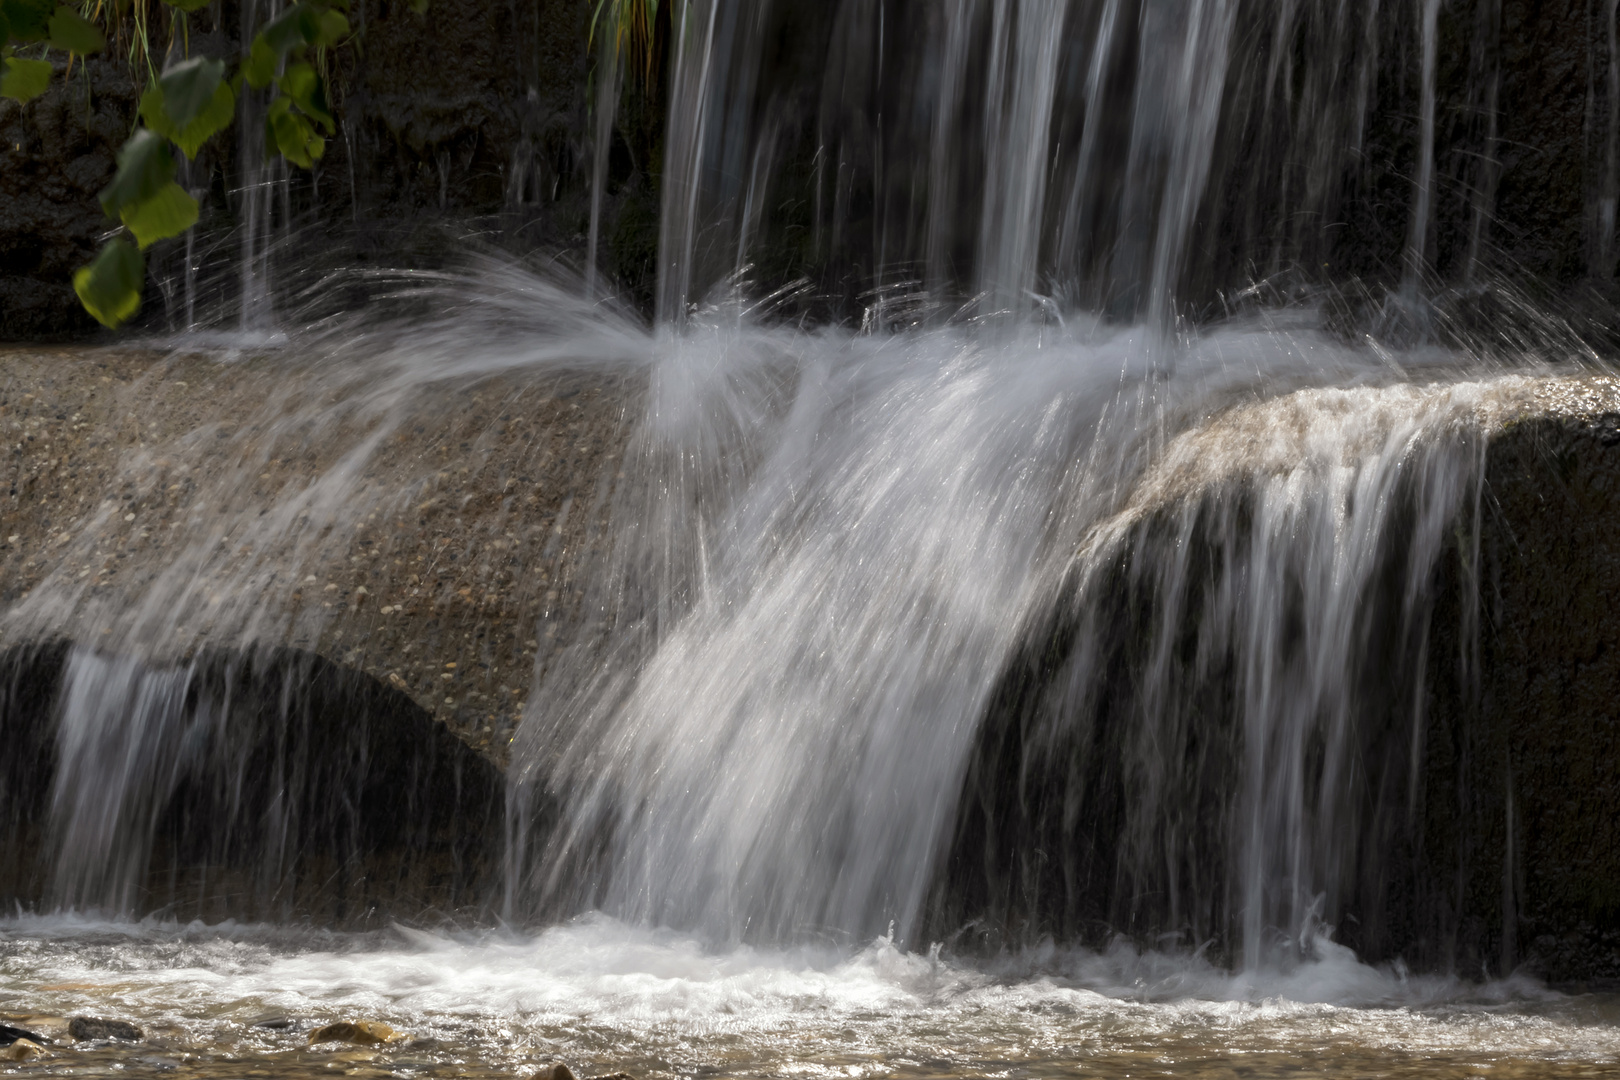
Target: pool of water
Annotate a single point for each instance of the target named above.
(603, 997)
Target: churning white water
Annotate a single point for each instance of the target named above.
(603, 996)
(830, 548)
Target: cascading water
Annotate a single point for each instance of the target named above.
(1131, 156)
(831, 547)
(122, 748)
(1031, 610)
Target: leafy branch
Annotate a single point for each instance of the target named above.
(189, 103)
(31, 22)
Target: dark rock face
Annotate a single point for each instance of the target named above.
(471, 116)
(1501, 848)
(297, 790)
(1548, 774)
(57, 154)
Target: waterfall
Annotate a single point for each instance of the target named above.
(831, 548)
(122, 747)
(1018, 592)
(1133, 156)
(1240, 657)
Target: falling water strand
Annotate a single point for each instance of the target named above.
(121, 748)
(1417, 237)
(256, 214)
(947, 100)
(684, 158)
(1199, 79)
(1609, 195)
(1073, 248)
(607, 104)
(1014, 196)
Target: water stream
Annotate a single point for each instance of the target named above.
(605, 996)
(780, 803)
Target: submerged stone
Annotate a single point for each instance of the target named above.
(358, 1032)
(9, 1035)
(93, 1028)
(21, 1050)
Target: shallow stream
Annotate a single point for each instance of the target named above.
(604, 997)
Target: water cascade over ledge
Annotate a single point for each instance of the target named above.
(1012, 553)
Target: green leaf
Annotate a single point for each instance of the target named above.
(188, 6)
(188, 88)
(334, 28)
(300, 83)
(296, 26)
(70, 32)
(110, 287)
(30, 19)
(292, 134)
(144, 167)
(261, 64)
(168, 213)
(216, 117)
(25, 80)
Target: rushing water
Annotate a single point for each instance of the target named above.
(602, 997)
(835, 597)
(781, 803)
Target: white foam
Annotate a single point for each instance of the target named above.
(598, 990)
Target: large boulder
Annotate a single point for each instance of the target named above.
(1479, 788)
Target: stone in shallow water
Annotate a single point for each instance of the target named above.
(9, 1035)
(555, 1071)
(359, 1032)
(21, 1050)
(88, 1028)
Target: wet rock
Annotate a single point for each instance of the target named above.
(92, 1028)
(273, 1022)
(9, 1035)
(46, 1029)
(358, 1032)
(21, 1050)
(555, 1071)
(612, 1076)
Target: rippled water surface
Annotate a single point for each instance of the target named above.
(235, 1001)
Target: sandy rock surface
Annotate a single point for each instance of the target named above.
(432, 542)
